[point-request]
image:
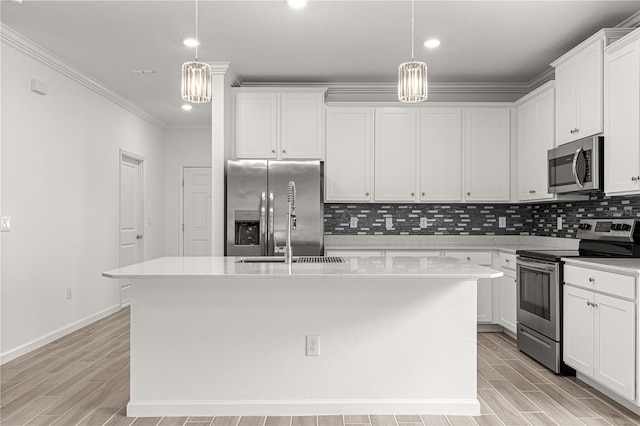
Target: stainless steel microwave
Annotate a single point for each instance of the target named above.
(576, 167)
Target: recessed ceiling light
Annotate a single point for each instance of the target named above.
(190, 42)
(431, 43)
(297, 4)
(187, 107)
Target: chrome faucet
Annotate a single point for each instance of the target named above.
(291, 220)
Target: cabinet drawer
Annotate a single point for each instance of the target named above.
(475, 257)
(507, 261)
(605, 282)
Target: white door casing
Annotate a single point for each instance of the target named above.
(196, 225)
(131, 216)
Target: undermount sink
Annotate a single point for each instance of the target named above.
(296, 259)
(262, 259)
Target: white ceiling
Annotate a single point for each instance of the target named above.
(328, 42)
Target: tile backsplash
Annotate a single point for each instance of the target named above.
(539, 219)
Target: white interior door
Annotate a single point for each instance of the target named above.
(131, 218)
(197, 211)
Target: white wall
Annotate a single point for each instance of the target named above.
(60, 159)
(184, 147)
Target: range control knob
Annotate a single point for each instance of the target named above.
(615, 226)
(625, 227)
(584, 226)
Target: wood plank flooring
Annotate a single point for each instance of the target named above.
(83, 379)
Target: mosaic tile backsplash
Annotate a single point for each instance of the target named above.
(539, 219)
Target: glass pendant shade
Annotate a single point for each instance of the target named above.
(412, 82)
(196, 82)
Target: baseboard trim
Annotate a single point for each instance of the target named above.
(608, 392)
(461, 407)
(54, 335)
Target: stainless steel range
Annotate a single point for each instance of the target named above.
(540, 279)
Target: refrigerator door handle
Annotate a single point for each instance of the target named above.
(271, 226)
(263, 224)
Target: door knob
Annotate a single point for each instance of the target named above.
(138, 236)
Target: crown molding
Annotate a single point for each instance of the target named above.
(224, 68)
(632, 21)
(34, 51)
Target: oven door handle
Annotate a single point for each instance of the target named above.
(574, 167)
(537, 266)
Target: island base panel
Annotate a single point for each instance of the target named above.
(206, 347)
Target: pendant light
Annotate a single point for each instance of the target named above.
(196, 77)
(412, 76)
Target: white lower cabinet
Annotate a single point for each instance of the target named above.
(600, 329)
(485, 290)
(507, 291)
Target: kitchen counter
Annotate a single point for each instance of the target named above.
(505, 243)
(354, 267)
(625, 266)
(211, 337)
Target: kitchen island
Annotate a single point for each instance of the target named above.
(211, 336)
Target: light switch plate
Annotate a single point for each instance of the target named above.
(5, 224)
(353, 222)
(502, 222)
(389, 222)
(423, 222)
(559, 223)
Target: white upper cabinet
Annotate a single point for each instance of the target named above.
(579, 87)
(536, 135)
(622, 116)
(256, 125)
(302, 124)
(348, 154)
(279, 124)
(487, 158)
(395, 154)
(441, 154)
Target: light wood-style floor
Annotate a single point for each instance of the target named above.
(83, 379)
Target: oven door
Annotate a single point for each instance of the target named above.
(539, 296)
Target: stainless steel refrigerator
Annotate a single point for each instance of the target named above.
(256, 198)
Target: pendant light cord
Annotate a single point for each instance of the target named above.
(197, 39)
(412, 29)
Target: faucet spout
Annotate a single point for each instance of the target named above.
(291, 220)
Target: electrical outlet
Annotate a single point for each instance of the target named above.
(423, 222)
(389, 222)
(313, 345)
(559, 223)
(502, 222)
(353, 222)
(69, 293)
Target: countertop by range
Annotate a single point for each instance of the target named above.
(354, 267)
(626, 265)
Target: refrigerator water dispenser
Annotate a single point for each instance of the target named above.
(247, 228)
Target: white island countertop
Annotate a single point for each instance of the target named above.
(353, 267)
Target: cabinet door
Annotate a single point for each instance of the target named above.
(536, 135)
(589, 86)
(395, 154)
(566, 102)
(348, 154)
(487, 154)
(302, 125)
(508, 303)
(622, 120)
(441, 154)
(578, 329)
(615, 336)
(256, 125)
